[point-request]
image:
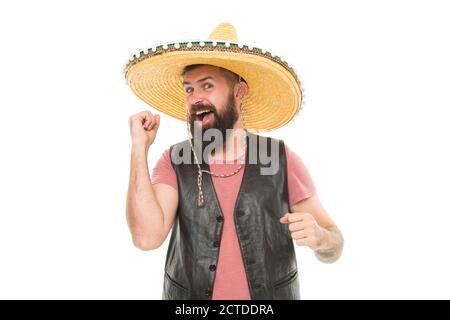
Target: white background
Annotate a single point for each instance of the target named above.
(373, 133)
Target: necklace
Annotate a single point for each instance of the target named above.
(226, 175)
(201, 199)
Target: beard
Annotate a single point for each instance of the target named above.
(226, 119)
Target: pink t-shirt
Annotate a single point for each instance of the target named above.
(231, 280)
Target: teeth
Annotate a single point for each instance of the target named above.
(201, 112)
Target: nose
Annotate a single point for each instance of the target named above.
(198, 101)
(195, 100)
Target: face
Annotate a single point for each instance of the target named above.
(209, 100)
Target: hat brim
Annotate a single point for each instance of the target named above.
(274, 97)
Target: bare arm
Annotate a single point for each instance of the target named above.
(150, 209)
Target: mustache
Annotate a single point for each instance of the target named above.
(199, 107)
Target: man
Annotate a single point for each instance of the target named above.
(233, 227)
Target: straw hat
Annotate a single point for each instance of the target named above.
(274, 97)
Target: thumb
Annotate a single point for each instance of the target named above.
(284, 219)
(157, 119)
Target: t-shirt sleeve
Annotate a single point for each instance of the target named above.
(300, 183)
(163, 171)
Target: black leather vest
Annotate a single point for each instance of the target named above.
(266, 245)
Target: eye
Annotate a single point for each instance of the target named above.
(208, 85)
(188, 89)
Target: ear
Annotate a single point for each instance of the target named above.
(240, 91)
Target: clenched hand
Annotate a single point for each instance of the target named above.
(143, 128)
(305, 230)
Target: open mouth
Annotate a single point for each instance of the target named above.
(204, 115)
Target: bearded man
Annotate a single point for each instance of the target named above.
(235, 209)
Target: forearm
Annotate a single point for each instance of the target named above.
(144, 214)
(333, 246)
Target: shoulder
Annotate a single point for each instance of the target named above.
(180, 151)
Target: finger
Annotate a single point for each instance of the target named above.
(284, 219)
(144, 115)
(149, 124)
(154, 123)
(157, 119)
(144, 121)
(296, 226)
(139, 118)
(299, 235)
(293, 217)
(147, 113)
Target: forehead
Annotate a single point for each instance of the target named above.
(203, 71)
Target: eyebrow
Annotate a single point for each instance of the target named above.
(198, 81)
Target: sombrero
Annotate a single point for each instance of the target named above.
(275, 92)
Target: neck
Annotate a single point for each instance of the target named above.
(234, 145)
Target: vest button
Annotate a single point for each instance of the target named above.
(216, 244)
(212, 267)
(219, 218)
(208, 292)
(240, 213)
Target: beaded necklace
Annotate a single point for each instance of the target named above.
(200, 171)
